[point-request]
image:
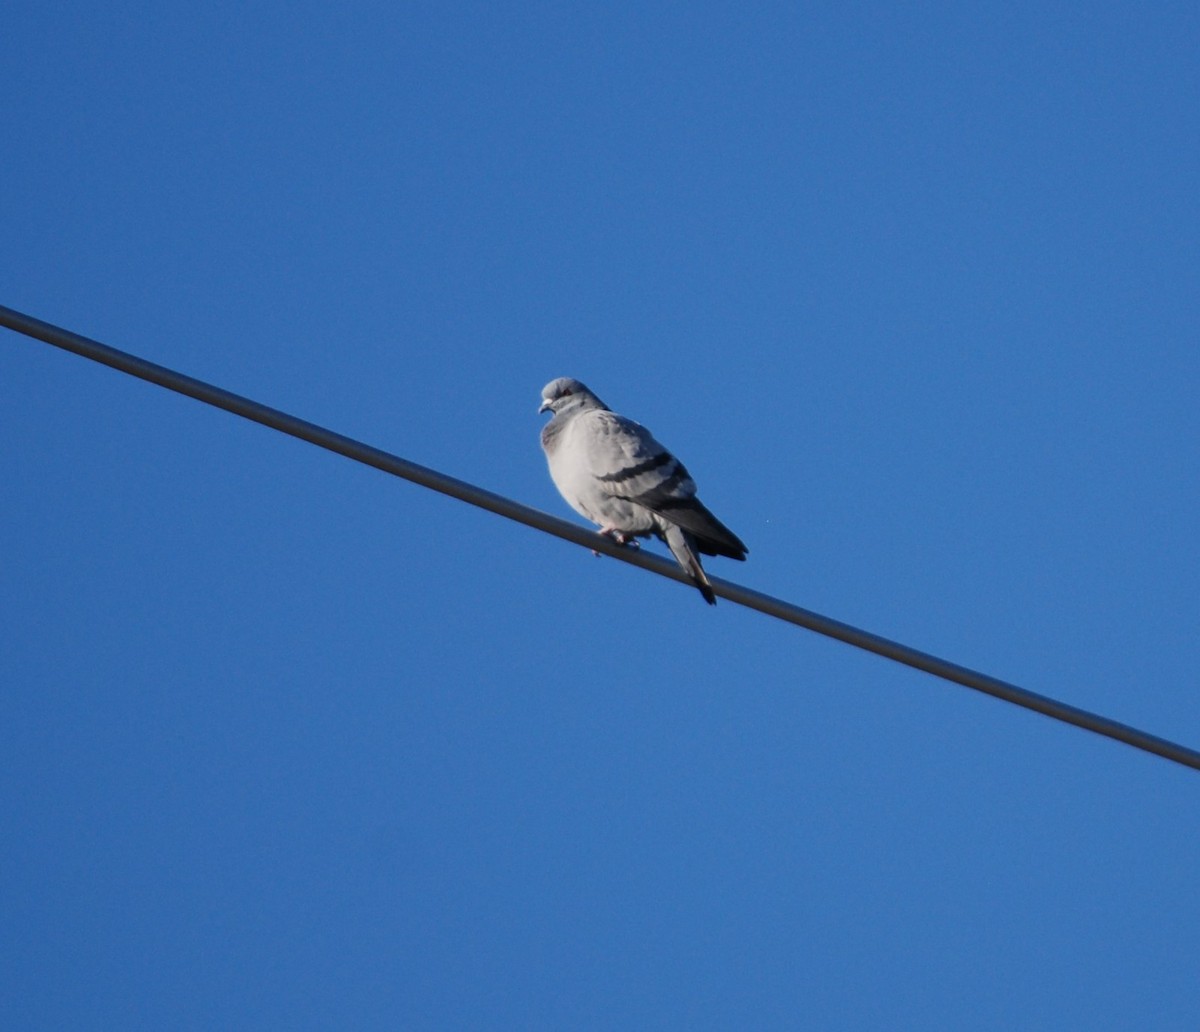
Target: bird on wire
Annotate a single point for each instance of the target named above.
(612, 471)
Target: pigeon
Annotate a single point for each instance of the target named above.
(612, 471)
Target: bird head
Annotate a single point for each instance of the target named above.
(566, 394)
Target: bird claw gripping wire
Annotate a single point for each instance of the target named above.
(620, 537)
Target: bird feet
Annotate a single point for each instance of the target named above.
(619, 536)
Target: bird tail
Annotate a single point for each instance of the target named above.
(707, 534)
(680, 543)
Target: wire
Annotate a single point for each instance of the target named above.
(502, 506)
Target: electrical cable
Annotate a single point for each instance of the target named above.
(463, 491)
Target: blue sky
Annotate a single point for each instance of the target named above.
(286, 743)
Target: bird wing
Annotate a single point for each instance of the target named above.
(627, 462)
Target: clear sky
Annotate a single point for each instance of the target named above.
(288, 743)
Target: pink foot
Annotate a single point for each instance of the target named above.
(619, 536)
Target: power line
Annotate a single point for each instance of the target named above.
(502, 506)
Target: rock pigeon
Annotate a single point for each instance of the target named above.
(612, 471)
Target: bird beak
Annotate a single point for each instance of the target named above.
(544, 405)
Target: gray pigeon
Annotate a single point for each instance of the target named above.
(612, 471)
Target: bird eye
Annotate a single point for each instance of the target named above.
(566, 392)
